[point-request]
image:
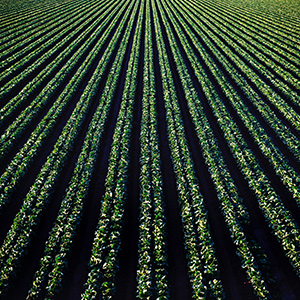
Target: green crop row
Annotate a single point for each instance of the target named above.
(104, 257)
(22, 161)
(202, 263)
(268, 26)
(35, 203)
(38, 33)
(280, 165)
(245, 74)
(21, 53)
(10, 25)
(52, 68)
(152, 256)
(232, 208)
(257, 55)
(277, 216)
(52, 265)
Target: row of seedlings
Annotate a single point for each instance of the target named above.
(253, 53)
(38, 43)
(20, 164)
(11, 23)
(52, 267)
(273, 31)
(277, 216)
(265, 25)
(248, 79)
(282, 131)
(254, 66)
(234, 211)
(20, 234)
(23, 120)
(152, 255)
(270, 46)
(59, 55)
(22, 35)
(103, 263)
(202, 262)
(287, 174)
(268, 49)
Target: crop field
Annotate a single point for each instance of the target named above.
(149, 149)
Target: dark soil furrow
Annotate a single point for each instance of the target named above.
(21, 140)
(242, 33)
(48, 61)
(33, 15)
(37, 40)
(37, 244)
(276, 111)
(39, 160)
(32, 47)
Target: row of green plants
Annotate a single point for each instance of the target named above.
(270, 29)
(202, 262)
(269, 40)
(276, 214)
(281, 130)
(257, 82)
(270, 47)
(248, 80)
(232, 207)
(103, 263)
(61, 54)
(277, 160)
(20, 164)
(265, 61)
(49, 277)
(268, 26)
(10, 24)
(152, 252)
(48, 92)
(45, 37)
(34, 206)
(21, 34)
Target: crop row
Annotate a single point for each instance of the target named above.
(232, 207)
(254, 87)
(202, 262)
(22, 161)
(11, 23)
(38, 33)
(248, 47)
(276, 158)
(35, 203)
(104, 257)
(29, 49)
(278, 217)
(152, 261)
(200, 83)
(83, 33)
(263, 24)
(59, 243)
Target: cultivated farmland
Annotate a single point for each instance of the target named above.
(149, 149)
